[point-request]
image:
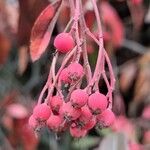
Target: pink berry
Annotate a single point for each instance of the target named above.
(64, 42)
(97, 102)
(56, 102)
(79, 98)
(86, 115)
(68, 112)
(33, 123)
(77, 132)
(89, 125)
(54, 122)
(75, 71)
(42, 112)
(64, 76)
(106, 118)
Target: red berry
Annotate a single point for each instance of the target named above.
(64, 42)
(75, 71)
(54, 122)
(68, 112)
(77, 132)
(56, 102)
(106, 118)
(64, 76)
(89, 125)
(97, 102)
(79, 98)
(33, 123)
(86, 115)
(42, 112)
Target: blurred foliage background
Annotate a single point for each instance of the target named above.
(126, 25)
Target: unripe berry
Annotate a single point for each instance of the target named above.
(33, 123)
(56, 102)
(77, 132)
(42, 112)
(97, 102)
(68, 112)
(64, 76)
(75, 71)
(86, 115)
(106, 118)
(78, 98)
(64, 42)
(54, 122)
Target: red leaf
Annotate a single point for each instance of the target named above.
(113, 22)
(42, 29)
(17, 111)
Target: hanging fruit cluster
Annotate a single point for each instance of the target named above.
(71, 102)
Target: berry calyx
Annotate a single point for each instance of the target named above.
(64, 42)
(78, 98)
(56, 102)
(68, 112)
(54, 123)
(106, 118)
(97, 102)
(42, 112)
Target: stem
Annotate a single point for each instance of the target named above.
(72, 7)
(100, 54)
(54, 65)
(76, 28)
(88, 72)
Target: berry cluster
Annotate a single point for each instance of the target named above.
(70, 106)
(80, 114)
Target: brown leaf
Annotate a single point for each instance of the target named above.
(29, 10)
(4, 48)
(42, 29)
(23, 59)
(142, 84)
(127, 76)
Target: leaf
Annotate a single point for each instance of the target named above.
(142, 85)
(113, 22)
(23, 59)
(115, 141)
(128, 74)
(17, 111)
(85, 143)
(5, 46)
(28, 12)
(43, 28)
